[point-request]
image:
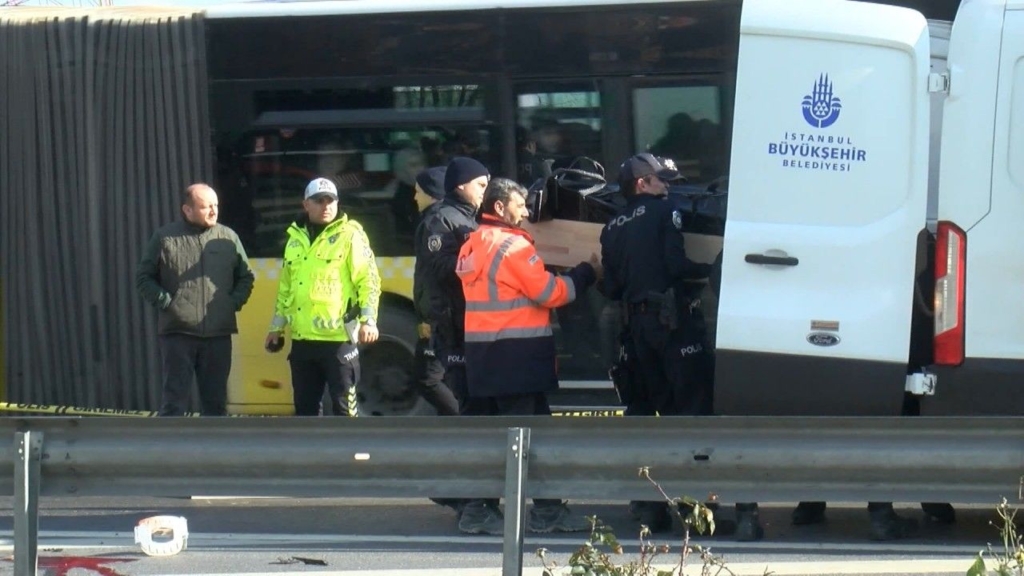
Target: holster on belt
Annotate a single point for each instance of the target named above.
(668, 315)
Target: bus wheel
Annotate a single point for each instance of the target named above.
(385, 386)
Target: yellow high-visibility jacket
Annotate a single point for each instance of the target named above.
(322, 281)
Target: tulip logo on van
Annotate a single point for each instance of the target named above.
(819, 149)
(821, 107)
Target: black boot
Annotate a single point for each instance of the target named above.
(748, 523)
(654, 515)
(886, 524)
(724, 526)
(939, 512)
(807, 513)
(455, 504)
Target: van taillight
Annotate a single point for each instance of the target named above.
(950, 276)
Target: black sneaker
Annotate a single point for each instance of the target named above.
(547, 519)
(481, 517)
(891, 526)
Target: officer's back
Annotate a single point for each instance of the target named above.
(642, 246)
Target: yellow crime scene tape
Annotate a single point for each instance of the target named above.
(82, 411)
(588, 413)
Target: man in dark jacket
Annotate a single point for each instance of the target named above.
(429, 372)
(442, 232)
(196, 273)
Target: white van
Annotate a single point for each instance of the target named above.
(839, 292)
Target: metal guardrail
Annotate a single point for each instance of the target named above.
(765, 459)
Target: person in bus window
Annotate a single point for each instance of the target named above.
(195, 271)
(552, 144)
(342, 163)
(408, 163)
(433, 151)
(529, 168)
(328, 294)
(646, 268)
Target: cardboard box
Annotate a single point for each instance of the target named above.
(567, 243)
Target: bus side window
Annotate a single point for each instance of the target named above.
(373, 168)
(683, 123)
(554, 127)
(370, 142)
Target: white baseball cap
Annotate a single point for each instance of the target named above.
(319, 186)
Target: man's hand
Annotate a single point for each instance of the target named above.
(274, 342)
(423, 330)
(595, 262)
(368, 334)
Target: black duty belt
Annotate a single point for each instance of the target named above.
(648, 307)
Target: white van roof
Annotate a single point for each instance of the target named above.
(331, 7)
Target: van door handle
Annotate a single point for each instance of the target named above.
(772, 260)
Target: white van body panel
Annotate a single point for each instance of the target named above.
(995, 264)
(939, 33)
(982, 191)
(840, 186)
(969, 112)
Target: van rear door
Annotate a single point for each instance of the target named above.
(827, 195)
(979, 322)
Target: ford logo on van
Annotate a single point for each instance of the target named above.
(822, 339)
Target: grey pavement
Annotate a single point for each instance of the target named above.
(290, 536)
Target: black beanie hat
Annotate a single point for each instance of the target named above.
(461, 170)
(431, 181)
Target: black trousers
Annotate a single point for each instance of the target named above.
(535, 404)
(676, 368)
(318, 364)
(450, 352)
(207, 361)
(429, 380)
(676, 372)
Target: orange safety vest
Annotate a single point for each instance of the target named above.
(510, 348)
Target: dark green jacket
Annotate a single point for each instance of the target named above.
(198, 278)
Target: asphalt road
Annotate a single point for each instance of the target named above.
(378, 537)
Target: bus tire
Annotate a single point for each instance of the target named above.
(385, 384)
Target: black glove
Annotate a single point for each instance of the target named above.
(276, 344)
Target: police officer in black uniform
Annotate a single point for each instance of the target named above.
(438, 239)
(646, 268)
(428, 372)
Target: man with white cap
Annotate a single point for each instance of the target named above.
(328, 293)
